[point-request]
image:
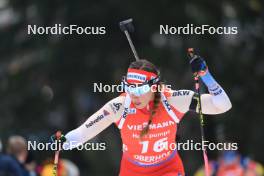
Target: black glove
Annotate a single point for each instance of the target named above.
(198, 65)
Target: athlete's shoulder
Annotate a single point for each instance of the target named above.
(180, 99)
(181, 93)
(177, 93)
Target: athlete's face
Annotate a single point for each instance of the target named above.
(142, 101)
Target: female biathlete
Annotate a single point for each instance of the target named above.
(147, 116)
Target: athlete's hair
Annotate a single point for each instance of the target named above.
(145, 65)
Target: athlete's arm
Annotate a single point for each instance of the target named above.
(216, 102)
(108, 114)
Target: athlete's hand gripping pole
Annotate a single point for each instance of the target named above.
(126, 26)
(199, 68)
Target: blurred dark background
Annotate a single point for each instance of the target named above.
(46, 81)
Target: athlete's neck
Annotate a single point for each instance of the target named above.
(148, 107)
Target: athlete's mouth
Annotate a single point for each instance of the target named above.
(137, 103)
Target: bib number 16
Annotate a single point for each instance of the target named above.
(158, 146)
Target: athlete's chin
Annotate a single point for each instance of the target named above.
(139, 105)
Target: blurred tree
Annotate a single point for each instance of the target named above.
(42, 77)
